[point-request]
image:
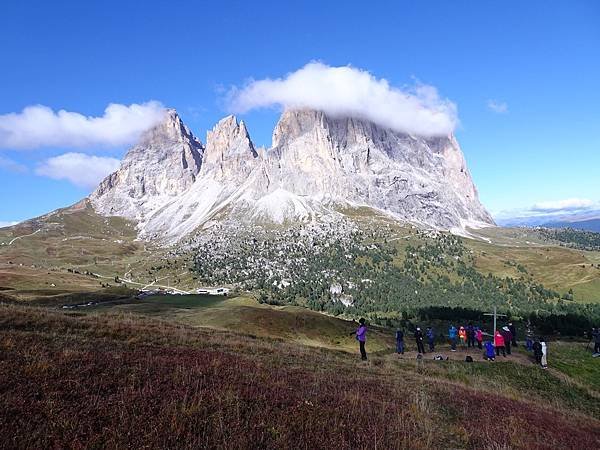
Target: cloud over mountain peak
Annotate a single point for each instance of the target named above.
(351, 92)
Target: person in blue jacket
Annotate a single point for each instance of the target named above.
(452, 334)
(490, 354)
(400, 341)
(430, 338)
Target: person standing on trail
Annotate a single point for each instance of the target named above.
(529, 337)
(544, 361)
(507, 335)
(452, 332)
(499, 344)
(513, 332)
(419, 340)
(399, 341)
(596, 336)
(361, 337)
(537, 351)
(489, 351)
(462, 334)
(470, 335)
(479, 337)
(430, 339)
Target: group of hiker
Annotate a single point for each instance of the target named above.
(468, 337)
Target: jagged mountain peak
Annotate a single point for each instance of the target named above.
(294, 123)
(171, 128)
(229, 149)
(230, 135)
(163, 164)
(339, 131)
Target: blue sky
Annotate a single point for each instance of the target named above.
(524, 77)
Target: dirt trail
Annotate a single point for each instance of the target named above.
(461, 353)
(25, 235)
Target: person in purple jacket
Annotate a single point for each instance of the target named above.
(361, 337)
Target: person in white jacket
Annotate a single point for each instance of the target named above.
(544, 354)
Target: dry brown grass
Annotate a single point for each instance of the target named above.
(71, 381)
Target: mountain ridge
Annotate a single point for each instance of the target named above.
(585, 220)
(315, 165)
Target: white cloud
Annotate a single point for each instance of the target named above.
(39, 126)
(7, 223)
(78, 168)
(348, 91)
(570, 204)
(11, 166)
(497, 107)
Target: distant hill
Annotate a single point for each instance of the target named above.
(587, 225)
(589, 221)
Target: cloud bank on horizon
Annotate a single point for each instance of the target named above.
(549, 209)
(80, 169)
(39, 126)
(570, 204)
(349, 91)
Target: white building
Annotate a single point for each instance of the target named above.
(213, 291)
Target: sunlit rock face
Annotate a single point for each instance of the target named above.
(161, 166)
(317, 163)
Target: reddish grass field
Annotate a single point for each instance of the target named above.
(114, 381)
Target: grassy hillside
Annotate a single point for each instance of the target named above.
(519, 252)
(245, 315)
(74, 250)
(387, 271)
(100, 379)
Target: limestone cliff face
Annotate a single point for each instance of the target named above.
(346, 159)
(229, 151)
(316, 163)
(163, 165)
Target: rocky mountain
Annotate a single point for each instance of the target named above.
(163, 165)
(316, 166)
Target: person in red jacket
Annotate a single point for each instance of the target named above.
(499, 344)
(479, 337)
